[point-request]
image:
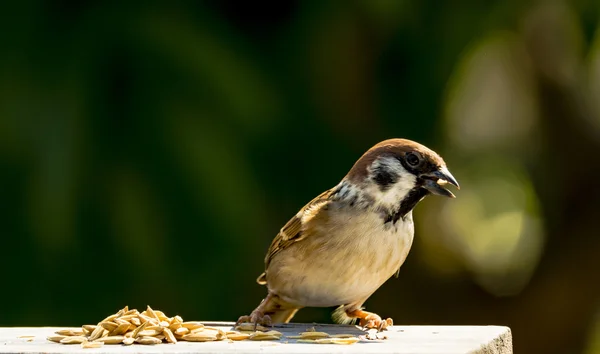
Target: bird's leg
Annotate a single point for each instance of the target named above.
(258, 316)
(370, 320)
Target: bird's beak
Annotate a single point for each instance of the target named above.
(432, 182)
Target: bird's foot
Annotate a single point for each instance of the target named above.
(369, 320)
(257, 317)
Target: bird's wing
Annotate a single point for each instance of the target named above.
(291, 232)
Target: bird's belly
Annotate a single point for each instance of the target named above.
(343, 266)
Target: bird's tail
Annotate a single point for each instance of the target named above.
(340, 316)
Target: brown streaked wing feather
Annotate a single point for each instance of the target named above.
(291, 231)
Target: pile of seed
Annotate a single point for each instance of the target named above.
(149, 327)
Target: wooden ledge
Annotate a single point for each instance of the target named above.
(401, 339)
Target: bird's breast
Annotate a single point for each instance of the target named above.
(344, 258)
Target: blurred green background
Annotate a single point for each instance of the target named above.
(149, 154)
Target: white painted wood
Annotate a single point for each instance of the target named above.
(401, 339)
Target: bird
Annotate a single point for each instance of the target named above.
(349, 240)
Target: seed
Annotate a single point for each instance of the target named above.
(306, 341)
(90, 328)
(70, 332)
(250, 327)
(56, 339)
(337, 340)
(182, 331)
(199, 337)
(343, 336)
(148, 340)
(110, 318)
(150, 332)
(73, 340)
(219, 333)
(143, 318)
(314, 335)
(111, 339)
(120, 321)
(161, 316)
(124, 327)
(131, 312)
(128, 340)
(175, 326)
(96, 333)
(150, 313)
(87, 345)
(192, 325)
(262, 336)
(274, 333)
(109, 326)
(136, 321)
(169, 336)
(164, 324)
(127, 317)
(237, 336)
(137, 331)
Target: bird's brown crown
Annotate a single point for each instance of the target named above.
(393, 147)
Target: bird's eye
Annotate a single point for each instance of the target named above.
(412, 159)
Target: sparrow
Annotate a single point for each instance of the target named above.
(345, 243)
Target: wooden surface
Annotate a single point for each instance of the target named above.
(401, 339)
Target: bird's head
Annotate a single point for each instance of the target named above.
(400, 172)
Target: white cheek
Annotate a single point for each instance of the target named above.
(392, 196)
(397, 192)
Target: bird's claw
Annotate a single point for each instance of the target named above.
(256, 318)
(373, 321)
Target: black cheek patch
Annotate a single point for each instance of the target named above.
(384, 178)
